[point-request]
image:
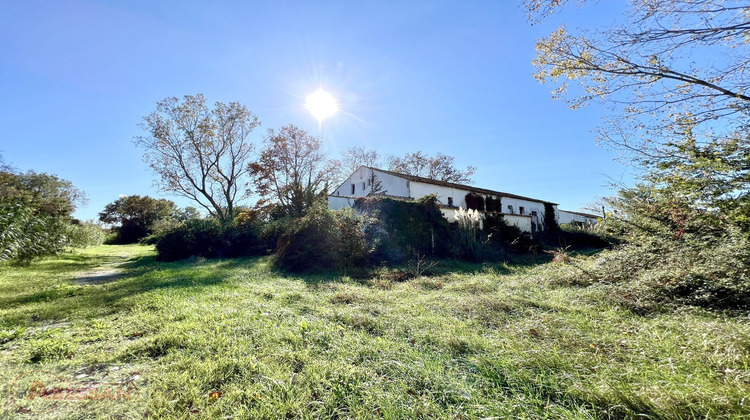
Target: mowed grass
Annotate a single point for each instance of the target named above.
(235, 339)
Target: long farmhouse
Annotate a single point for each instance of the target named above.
(528, 214)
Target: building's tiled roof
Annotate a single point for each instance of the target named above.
(459, 186)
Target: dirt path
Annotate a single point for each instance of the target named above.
(105, 273)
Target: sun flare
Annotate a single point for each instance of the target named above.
(321, 105)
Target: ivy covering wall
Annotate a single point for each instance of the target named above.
(550, 223)
(398, 227)
(475, 201)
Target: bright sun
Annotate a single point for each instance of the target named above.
(321, 104)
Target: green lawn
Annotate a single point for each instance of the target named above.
(234, 339)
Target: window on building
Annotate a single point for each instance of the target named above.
(369, 181)
(353, 187)
(521, 210)
(510, 208)
(450, 201)
(533, 213)
(363, 186)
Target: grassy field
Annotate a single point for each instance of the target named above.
(234, 339)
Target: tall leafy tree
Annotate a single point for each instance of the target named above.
(675, 73)
(46, 193)
(135, 215)
(199, 152)
(292, 171)
(671, 67)
(710, 179)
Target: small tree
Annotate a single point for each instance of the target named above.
(376, 186)
(136, 216)
(292, 171)
(201, 153)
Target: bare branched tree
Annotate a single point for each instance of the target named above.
(357, 156)
(440, 167)
(673, 67)
(351, 159)
(200, 153)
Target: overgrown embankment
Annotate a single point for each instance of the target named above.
(212, 338)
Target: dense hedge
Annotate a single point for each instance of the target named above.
(210, 239)
(401, 227)
(323, 239)
(578, 236)
(81, 235)
(501, 231)
(26, 233)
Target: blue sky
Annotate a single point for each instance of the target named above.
(77, 77)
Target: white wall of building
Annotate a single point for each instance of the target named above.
(522, 207)
(567, 217)
(521, 222)
(533, 210)
(359, 184)
(336, 202)
(392, 185)
(421, 189)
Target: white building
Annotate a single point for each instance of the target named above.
(566, 216)
(524, 212)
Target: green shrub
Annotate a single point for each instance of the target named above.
(493, 204)
(352, 247)
(129, 233)
(272, 231)
(26, 234)
(158, 229)
(494, 224)
(670, 255)
(583, 236)
(82, 235)
(680, 245)
(501, 236)
(323, 239)
(715, 274)
(398, 228)
(208, 238)
(309, 242)
(550, 223)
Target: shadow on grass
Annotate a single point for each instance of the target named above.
(509, 264)
(140, 275)
(143, 274)
(70, 262)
